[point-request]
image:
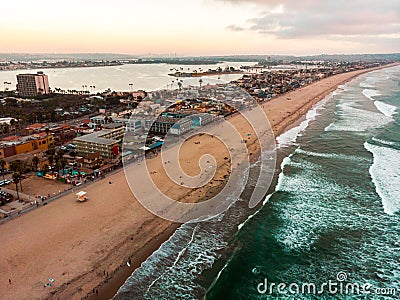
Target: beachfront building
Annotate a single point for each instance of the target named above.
(163, 125)
(31, 85)
(106, 142)
(91, 161)
(202, 119)
(181, 127)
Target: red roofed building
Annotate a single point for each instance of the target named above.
(33, 128)
(11, 138)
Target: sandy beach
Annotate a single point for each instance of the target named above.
(83, 245)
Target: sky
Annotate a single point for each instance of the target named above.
(200, 27)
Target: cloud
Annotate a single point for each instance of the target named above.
(235, 28)
(327, 19)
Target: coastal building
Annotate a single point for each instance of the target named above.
(31, 85)
(181, 127)
(27, 159)
(6, 121)
(106, 142)
(102, 119)
(7, 151)
(134, 125)
(163, 124)
(202, 119)
(91, 161)
(13, 145)
(34, 128)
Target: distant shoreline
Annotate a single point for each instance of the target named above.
(93, 64)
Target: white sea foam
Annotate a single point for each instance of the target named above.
(385, 173)
(330, 155)
(370, 93)
(170, 271)
(357, 120)
(367, 85)
(285, 161)
(303, 214)
(290, 136)
(384, 142)
(240, 226)
(386, 109)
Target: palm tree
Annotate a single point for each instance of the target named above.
(63, 163)
(51, 150)
(16, 178)
(2, 165)
(50, 158)
(6, 128)
(12, 123)
(17, 167)
(35, 162)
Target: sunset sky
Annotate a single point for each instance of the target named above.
(200, 27)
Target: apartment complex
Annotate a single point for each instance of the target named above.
(106, 141)
(30, 85)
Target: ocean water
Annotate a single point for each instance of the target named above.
(335, 209)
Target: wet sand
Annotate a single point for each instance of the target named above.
(83, 245)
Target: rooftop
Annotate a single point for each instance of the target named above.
(112, 125)
(35, 125)
(96, 137)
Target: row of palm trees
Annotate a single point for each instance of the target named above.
(17, 167)
(7, 85)
(56, 159)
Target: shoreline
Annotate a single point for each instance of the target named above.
(108, 289)
(84, 274)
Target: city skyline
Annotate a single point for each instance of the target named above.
(203, 27)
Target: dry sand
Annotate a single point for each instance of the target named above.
(78, 244)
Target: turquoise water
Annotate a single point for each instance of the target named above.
(335, 209)
(336, 205)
